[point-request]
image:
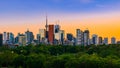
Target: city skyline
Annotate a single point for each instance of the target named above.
(54, 29)
(100, 17)
(59, 33)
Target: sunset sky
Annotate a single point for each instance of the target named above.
(101, 17)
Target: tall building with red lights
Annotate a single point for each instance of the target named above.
(51, 34)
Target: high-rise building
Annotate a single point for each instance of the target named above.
(90, 41)
(57, 34)
(62, 36)
(86, 38)
(100, 41)
(17, 38)
(1, 39)
(51, 34)
(22, 40)
(74, 41)
(69, 36)
(42, 33)
(118, 42)
(29, 37)
(4, 37)
(79, 37)
(106, 41)
(57, 28)
(113, 40)
(59, 37)
(38, 38)
(11, 38)
(94, 39)
(8, 36)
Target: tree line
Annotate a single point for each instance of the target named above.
(50, 56)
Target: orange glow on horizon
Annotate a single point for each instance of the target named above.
(103, 25)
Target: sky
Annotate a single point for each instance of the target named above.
(101, 17)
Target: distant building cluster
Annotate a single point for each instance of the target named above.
(52, 34)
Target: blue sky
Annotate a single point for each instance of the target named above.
(34, 10)
(18, 15)
(71, 6)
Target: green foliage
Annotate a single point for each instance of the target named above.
(50, 56)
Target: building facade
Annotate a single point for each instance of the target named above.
(100, 40)
(113, 40)
(106, 41)
(4, 37)
(38, 38)
(56, 28)
(51, 34)
(42, 33)
(11, 38)
(86, 38)
(79, 37)
(29, 37)
(69, 36)
(94, 39)
(22, 40)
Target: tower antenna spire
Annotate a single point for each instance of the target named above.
(46, 26)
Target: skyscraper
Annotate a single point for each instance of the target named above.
(51, 34)
(42, 33)
(29, 37)
(113, 40)
(38, 38)
(22, 40)
(118, 42)
(69, 36)
(17, 38)
(94, 39)
(57, 28)
(62, 36)
(1, 39)
(11, 38)
(4, 37)
(56, 34)
(86, 37)
(8, 34)
(59, 36)
(8, 38)
(79, 37)
(106, 41)
(100, 41)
